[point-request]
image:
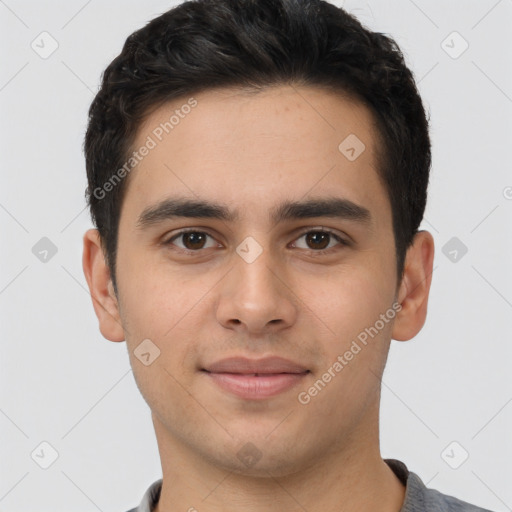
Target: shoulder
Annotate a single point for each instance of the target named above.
(150, 498)
(424, 499)
(419, 498)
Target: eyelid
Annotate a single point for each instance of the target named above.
(342, 240)
(168, 241)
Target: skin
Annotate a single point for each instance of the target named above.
(251, 152)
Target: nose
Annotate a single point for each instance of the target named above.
(256, 297)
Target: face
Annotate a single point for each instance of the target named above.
(288, 252)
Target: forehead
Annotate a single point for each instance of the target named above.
(253, 150)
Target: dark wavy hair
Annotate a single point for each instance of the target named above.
(254, 44)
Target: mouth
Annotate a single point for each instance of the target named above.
(251, 379)
(254, 386)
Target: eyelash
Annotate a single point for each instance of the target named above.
(341, 241)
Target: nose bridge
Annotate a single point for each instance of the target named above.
(257, 276)
(254, 294)
(255, 272)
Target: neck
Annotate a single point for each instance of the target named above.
(340, 480)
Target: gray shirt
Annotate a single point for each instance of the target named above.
(418, 498)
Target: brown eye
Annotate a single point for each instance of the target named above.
(191, 240)
(320, 240)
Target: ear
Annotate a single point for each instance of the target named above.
(414, 287)
(102, 292)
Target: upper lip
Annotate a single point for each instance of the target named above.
(245, 365)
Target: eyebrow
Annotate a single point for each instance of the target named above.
(172, 208)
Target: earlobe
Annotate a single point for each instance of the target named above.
(415, 287)
(104, 300)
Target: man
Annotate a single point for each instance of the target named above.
(258, 172)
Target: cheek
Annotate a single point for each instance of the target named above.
(351, 305)
(348, 300)
(168, 309)
(154, 310)
(154, 298)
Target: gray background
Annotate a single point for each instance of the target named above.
(63, 384)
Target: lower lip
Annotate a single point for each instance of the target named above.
(251, 387)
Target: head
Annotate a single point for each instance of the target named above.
(257, 118)
(202, 45)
